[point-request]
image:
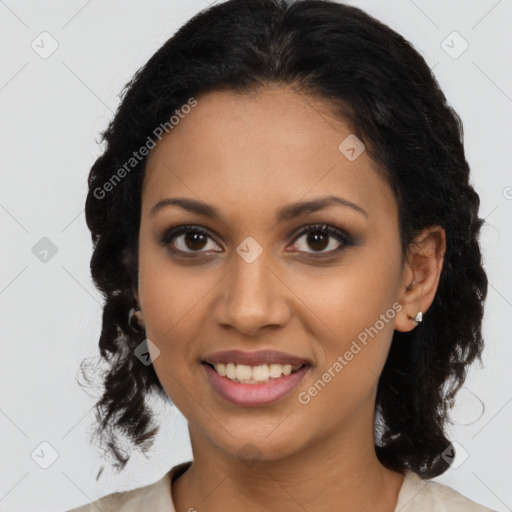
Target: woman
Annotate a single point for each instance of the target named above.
(287, 241)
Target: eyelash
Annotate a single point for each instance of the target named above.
(341, 236)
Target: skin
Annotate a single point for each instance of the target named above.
(248, 155)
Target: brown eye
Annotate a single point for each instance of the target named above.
(322, 237)
(318, 241)
(194, 241)
(187, 240)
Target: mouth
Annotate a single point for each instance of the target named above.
(256, 385)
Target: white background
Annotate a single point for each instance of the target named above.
(52, 111)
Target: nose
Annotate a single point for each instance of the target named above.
(252, 298)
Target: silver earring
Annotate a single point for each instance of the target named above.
(419, 317)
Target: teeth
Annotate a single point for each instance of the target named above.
(230, 371)
(252, 374)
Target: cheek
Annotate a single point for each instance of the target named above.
(169, 300)
(353, 315)
(350, 359)
(172, 315)
(349, 297)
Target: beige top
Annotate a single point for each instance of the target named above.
(416, 495)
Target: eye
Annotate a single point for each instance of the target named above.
(317, 237)
(186, 240)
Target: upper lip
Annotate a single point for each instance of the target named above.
(255, 358)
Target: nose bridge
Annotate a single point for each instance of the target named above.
(252, 296)
(251, 277)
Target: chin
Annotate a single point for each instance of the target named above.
(259, 442)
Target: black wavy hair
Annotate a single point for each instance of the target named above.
(374, 79)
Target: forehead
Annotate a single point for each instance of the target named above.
(262, 149)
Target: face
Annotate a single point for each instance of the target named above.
(251, 280)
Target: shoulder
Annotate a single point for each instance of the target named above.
(418, 495)
(154, 497)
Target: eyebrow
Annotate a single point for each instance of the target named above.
(283, 214)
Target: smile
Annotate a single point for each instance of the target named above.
(257, 385)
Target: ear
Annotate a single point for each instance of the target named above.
(420, 276)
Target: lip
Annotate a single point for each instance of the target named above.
(256, 358)
(255, 395)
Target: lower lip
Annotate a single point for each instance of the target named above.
(254, 394)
